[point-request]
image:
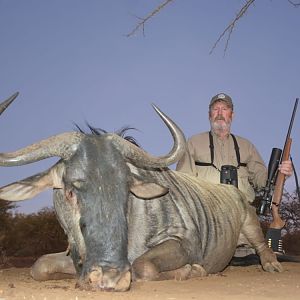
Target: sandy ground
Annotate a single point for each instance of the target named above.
(233, 283)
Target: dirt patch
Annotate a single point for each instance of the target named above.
(234, 283)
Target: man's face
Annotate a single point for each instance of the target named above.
(220, 116)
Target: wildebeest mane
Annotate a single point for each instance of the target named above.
(122, 132)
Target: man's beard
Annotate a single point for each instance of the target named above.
(220, 127)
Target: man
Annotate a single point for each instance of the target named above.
(207, 152)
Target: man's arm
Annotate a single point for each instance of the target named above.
(258, 173)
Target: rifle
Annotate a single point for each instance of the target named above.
(274, 188)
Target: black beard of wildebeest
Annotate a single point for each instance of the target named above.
(128, 216)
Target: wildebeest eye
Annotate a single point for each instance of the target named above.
(70, 195)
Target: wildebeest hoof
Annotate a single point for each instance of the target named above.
(198, 271)
(183, 273)
(189, 271)
(273, 267)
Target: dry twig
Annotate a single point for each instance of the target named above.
(293, 3)
(144, 20)
(228, 30)
(230, 27)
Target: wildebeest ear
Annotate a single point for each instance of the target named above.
(147, 190)
(33, 185)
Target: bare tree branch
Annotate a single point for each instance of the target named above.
(144, 20)
(293, 3)
(230, 27)
(228, 30)
(290, 211)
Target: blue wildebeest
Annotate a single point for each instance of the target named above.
(129, 217)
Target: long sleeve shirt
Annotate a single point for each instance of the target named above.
(253, 175)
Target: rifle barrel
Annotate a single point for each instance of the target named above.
(291, 122)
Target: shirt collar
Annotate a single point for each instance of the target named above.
(217, 137)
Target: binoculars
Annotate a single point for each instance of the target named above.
(229, 175)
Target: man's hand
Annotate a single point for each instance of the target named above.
(286, 168)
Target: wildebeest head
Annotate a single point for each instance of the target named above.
(91, 183)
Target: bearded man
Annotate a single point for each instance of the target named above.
(207, 152)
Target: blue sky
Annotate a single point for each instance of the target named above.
(72, 62)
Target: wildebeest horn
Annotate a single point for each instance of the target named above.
(61, 145)
(65, 144)
(143, 159)
(7, 102)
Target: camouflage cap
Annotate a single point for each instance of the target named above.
(221, 97)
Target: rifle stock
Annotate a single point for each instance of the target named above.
(277, 222)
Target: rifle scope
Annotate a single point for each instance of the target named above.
(272, 172)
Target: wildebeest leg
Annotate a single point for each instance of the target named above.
(252, 231)
(167, 260)
(53, 266)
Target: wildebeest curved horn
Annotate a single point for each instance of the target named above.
(61, 145)
(7, 102)
(142, 159)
